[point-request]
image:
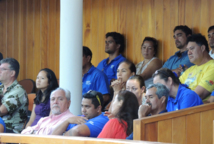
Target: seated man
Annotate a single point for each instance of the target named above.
(93, 79)
(114, 47)
(59, 102)
(156, 99)
(200, 77)
(13, 98)
(179, 61)
(92, 121)
(211, 40)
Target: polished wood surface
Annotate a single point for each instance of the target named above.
(29, 29)
(187, 126)
(37, 139)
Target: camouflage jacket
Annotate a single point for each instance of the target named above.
(16, 101)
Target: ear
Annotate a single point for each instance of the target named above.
(203, 48)
(133, 73)
(163, 99)
(13, 73)
(99, 108)
(170, 80)
(118, 46)
(69, 103)
(88, 58)
(143, 89)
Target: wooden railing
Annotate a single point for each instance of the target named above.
(37, 139)
(187, 126)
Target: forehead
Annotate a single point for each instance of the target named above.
(150, 43)
(133, 82)
(86, 101)
(211, 31)
(123, 65)
(5, 65)
(179, 31)
(191, 44)
(110, 38)
(58, 93)
(42, 73)
(151, 91)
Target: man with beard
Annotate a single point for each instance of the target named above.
(211, 40)
(179, 62)
(59, 102)
(114, 47)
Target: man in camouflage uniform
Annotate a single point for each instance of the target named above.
(14, 100)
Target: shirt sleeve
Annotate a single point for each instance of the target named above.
(207, 81)
(15, 100)
(96, 125)
(190, 99)
(102, 84)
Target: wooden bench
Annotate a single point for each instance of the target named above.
(187, 126)
(37, 139)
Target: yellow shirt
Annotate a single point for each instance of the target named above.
(202, 75)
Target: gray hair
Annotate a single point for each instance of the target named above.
(67, 93)
(162, 90)
(14, 65)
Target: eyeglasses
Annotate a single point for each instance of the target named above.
(4, 69)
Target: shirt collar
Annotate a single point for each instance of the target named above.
(11, 86)
(91, 69)
(182, 54)
(117, 58)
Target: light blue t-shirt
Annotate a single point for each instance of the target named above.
(185, 98)
(95, 80)
(111, 69)
(174, 61)
(95, 125)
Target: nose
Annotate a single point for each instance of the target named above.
(189, 52)
(147, 100)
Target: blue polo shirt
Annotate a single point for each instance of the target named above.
(95, 80)
(185, 98)
(212, 94)
(2, 123)
(110, 69)
(130, 137)
(174, 61)
(95, 125)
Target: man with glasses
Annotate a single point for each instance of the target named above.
(92, 121)
(13, 98)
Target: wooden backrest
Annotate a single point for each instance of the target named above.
(37, 139)
(187, 126)
(28, 85)
(30, 99)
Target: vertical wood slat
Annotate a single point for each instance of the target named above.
(193, 128)
(206, 127)
(30, 39)
(57, 37)
(151, 133)
(3, 27)
(178, 130)
(165, 131)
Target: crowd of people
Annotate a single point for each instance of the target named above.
(115, 92)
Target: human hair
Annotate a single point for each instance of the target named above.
(129, 109)
(96, 98)
(165, 73)
(139, 79)
(210, 28)
(118, 38)
(87, 52)
(131, 65)
(14, 65)
(52, 85)
(199, 40)
(154, 41)
(161, 90)
(183, 28)
(67, 93)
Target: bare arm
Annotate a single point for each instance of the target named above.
(1, 128)
(80, 130)
(32, 117)
(59, 130)
(151, 68)
(202, 92)
(3, 110)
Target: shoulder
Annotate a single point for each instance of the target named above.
(156, 61)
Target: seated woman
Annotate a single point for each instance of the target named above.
(46, 82)
(180, 96)
(125, 70)
(125, 110)
(150, 63)
(2, 126)
(136, 85)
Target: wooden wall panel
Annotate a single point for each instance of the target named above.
(179, 130)
(165, 131)
(29, 29)
(151, 133)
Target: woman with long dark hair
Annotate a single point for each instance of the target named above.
(46, 82)
(125, 109)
